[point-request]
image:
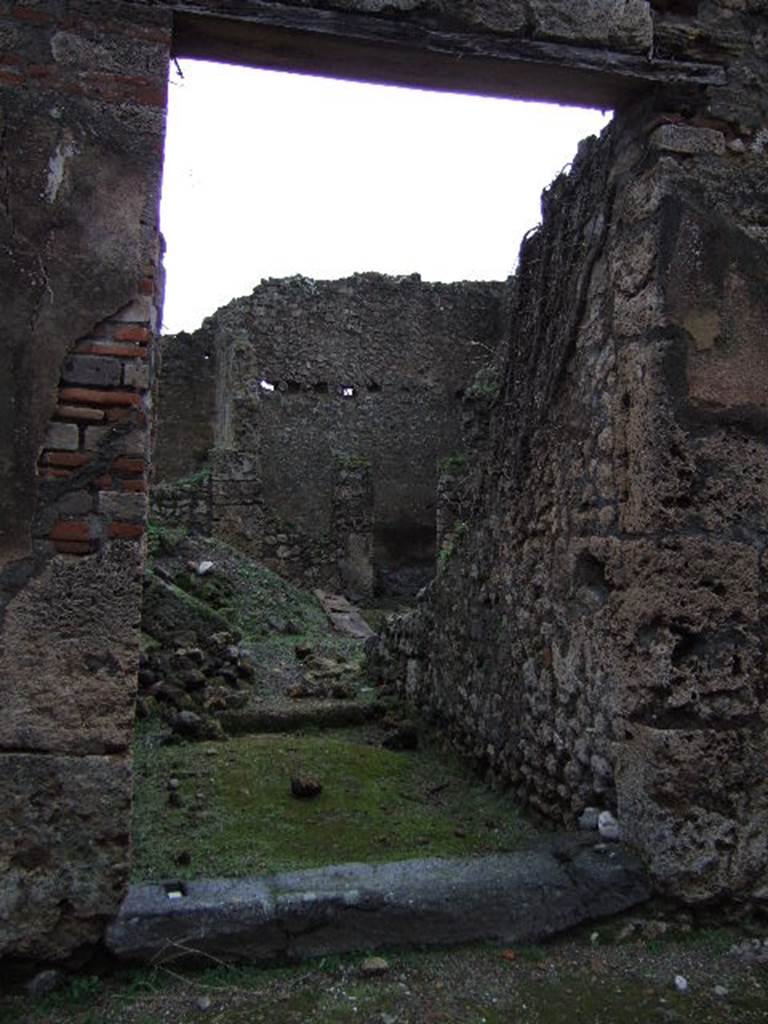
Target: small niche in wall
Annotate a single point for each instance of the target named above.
(267, 386)
(347, 391)
(321, 388)
(373, 387)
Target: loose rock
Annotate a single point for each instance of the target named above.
(751, 951)
(374, 966)
(608, 827)
(588, 819)
(305, 786)
(44, 983)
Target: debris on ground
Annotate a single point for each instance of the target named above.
(305, 786)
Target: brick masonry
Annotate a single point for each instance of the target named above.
(97, 444)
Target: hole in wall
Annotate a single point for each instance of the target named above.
(688, 644)
(589, 576)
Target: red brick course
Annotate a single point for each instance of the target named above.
(71, 529)
(133, 415)
(73, 547)
(125, 531)
(90, 396)
(81, 413)
(128, 466)
(71, 459)
(142, 335)
(22, 13)
(118, 351)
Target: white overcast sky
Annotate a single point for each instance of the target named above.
(269, 174)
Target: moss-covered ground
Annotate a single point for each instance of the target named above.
(233, 813)
(238, 817)
(585, 978)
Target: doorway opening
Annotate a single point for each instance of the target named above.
(329, 381)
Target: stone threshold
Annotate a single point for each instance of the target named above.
(274, 718)
(519, 897)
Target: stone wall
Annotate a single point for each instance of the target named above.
(303, 372)
(595, 635)
(82, 96)
(636, 608)
(185, 503)
(186, 397)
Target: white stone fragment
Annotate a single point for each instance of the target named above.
(588, 819)
(681, 983)
(608, 827)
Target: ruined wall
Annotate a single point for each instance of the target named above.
(596, 635)
(301, 372)
(185, 391)
(676, 640)
(82, 96)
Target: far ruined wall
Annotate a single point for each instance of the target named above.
(185, 392)
(370, 367)
(597, 632)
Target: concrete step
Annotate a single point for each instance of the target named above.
(517, 897)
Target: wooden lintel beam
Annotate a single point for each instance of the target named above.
(370, 49)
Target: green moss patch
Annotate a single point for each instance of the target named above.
(238, 817)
